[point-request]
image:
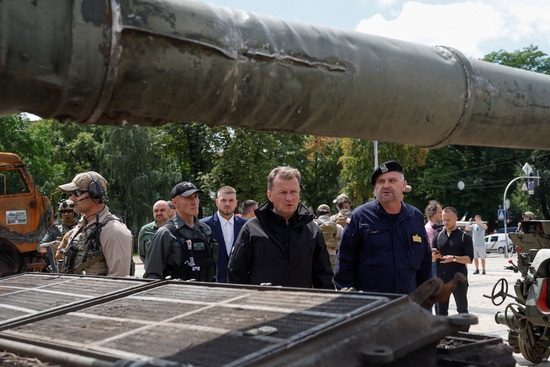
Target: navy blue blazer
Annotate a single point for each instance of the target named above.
(213, 222)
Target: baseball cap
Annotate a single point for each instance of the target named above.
(323, 209)
(184, 189)
(342, 198)
(82, 181)
(389, 166)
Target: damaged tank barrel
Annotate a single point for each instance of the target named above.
(150, 62)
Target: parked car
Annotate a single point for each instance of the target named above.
(496, 242)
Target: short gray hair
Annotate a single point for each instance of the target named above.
(284, 172)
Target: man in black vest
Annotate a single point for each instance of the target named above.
(182, 248)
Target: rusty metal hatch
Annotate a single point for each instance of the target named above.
(188, 323)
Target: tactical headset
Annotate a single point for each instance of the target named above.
(95, 190)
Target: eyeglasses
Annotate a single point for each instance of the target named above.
(65, 211)
(79, 193)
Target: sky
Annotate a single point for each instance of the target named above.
(476, 28)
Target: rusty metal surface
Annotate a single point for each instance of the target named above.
(152, 62)
(215, 325)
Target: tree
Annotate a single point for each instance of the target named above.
(243, 158)
(357, 162)
(31, 143)
(320, 177)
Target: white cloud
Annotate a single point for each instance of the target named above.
(466, 26)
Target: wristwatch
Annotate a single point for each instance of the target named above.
(454, 259)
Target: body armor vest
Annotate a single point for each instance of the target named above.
(84, 252)
(198, 257)
(330, 235)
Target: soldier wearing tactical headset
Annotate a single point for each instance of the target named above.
(100, 244)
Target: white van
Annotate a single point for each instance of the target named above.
(496, 242)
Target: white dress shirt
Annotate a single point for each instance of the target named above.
(228, 232)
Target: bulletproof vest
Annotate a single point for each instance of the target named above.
(340, 219)
(330, 234)
(84, 252)
(198, 257)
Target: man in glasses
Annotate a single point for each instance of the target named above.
(58, 229)
(100, 244)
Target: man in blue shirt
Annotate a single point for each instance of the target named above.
(384, 247)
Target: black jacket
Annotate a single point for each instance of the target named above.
(269, 251)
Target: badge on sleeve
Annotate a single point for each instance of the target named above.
(417, 238)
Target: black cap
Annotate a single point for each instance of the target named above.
(184, 189)
(389, 166)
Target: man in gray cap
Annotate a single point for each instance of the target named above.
(385, 246)
(183, 248)
(343, 204)
(100, 244)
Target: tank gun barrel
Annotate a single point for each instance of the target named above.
(151, 62)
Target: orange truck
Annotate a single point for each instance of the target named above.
(25, 216)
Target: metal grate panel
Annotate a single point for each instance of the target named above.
(31, 293)
(190, 322)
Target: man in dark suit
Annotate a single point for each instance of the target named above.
(225, 227)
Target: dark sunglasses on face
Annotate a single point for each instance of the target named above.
(65, 211)
(79, 193)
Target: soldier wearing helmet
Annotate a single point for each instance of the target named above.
(59, 228)
(526, 216)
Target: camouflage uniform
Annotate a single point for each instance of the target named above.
(58, 229)
(112, 256)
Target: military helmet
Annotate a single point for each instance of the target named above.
(65, 205)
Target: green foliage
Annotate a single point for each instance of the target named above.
(357, 162)
(30, 142)
(243, 158)
(320, 177)
(530, 58)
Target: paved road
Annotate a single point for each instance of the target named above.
(480, 306)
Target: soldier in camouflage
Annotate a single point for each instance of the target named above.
(58, 229)
(100, 244)
(343, 204)
(332, 232)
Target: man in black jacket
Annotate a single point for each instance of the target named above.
(281, 246)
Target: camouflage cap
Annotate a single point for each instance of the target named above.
(65, 205)
(82, 181)
(342, 198)
(323, 209)
(529, 215)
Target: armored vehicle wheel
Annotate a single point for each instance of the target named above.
(536, 354)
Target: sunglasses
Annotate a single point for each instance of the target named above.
(79, 193)
(65, 211)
